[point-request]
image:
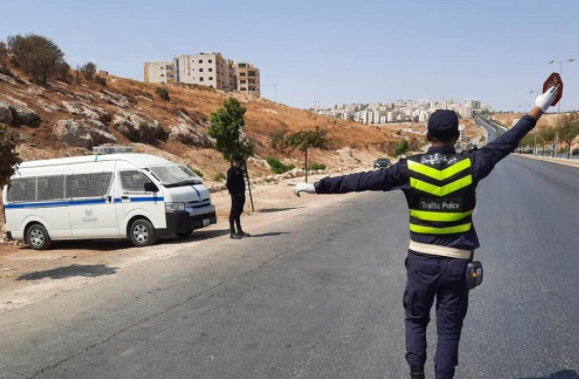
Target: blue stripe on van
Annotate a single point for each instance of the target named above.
(146, 199)
(76, 202)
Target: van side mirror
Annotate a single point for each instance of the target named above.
(151, 187)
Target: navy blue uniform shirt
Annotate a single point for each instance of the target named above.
(396, 177)
(235, 182)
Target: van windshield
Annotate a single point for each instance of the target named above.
(175, 175)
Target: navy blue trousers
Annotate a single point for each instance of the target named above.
(430, 277)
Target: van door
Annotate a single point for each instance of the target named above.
(90, 195)
(139, 196)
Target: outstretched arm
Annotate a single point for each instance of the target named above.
(380, 180)
(492, 153)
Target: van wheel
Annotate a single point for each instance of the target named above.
(142, 233)
(184, 234)
(38, 238)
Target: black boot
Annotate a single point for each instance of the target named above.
(234, 236)
(241, 233)
(416, 372)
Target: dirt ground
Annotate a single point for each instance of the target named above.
(28, 276)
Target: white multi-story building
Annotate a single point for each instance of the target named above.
(466, 111)
(475, 104)
(159, 72)
(402, 110)
(206, 69)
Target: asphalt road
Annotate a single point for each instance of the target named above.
(320, 296)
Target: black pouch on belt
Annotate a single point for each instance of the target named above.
(474, 275)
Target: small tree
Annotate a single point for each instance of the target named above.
(547, 136)
(401, 147)
(89, 70)
(305, 141)
(9, 159)
(36, 55)
(276, 139)
(568, 129)
(526, 142)
(227, 127)
(163, 93)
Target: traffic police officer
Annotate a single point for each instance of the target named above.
(236, 186)
(440, 191)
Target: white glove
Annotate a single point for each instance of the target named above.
(304, 187)
(545, 100)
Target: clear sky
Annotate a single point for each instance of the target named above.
(329, 50)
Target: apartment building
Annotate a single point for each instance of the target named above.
(475, 104)
(466, 111)
(207, 69)
(159, 72)
(247, 79)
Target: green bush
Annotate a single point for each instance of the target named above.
(278, 167)
(401, 147)
(218, 177)
(317, 166)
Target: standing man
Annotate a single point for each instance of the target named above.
(236, 187)
(440, 191)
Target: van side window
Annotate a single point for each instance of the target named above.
(88, 185)
(134, 181)
(22, 190)
(50, 188)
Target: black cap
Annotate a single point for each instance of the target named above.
(238, 157)
(443, 124)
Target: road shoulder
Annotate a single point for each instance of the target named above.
(561, 161)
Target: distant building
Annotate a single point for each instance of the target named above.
(206, 69)
(159, 72)
(475, 104)
(368, 117)
(247, 79)
(466, 111)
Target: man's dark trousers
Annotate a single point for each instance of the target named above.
(237, 204)
(444, 278)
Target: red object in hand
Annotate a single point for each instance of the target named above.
(554, 80)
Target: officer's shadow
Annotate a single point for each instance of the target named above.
(563, 374)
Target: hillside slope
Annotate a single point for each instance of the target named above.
(62, 119)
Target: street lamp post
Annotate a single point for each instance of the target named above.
(570, 60)
(274, 90)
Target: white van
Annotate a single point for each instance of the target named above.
(116, 195)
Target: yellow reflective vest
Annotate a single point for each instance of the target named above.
(441, 198)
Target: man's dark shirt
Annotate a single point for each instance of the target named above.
(397, 177)
(235, 181)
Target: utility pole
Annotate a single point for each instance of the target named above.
(274, 90)
(570, 60)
